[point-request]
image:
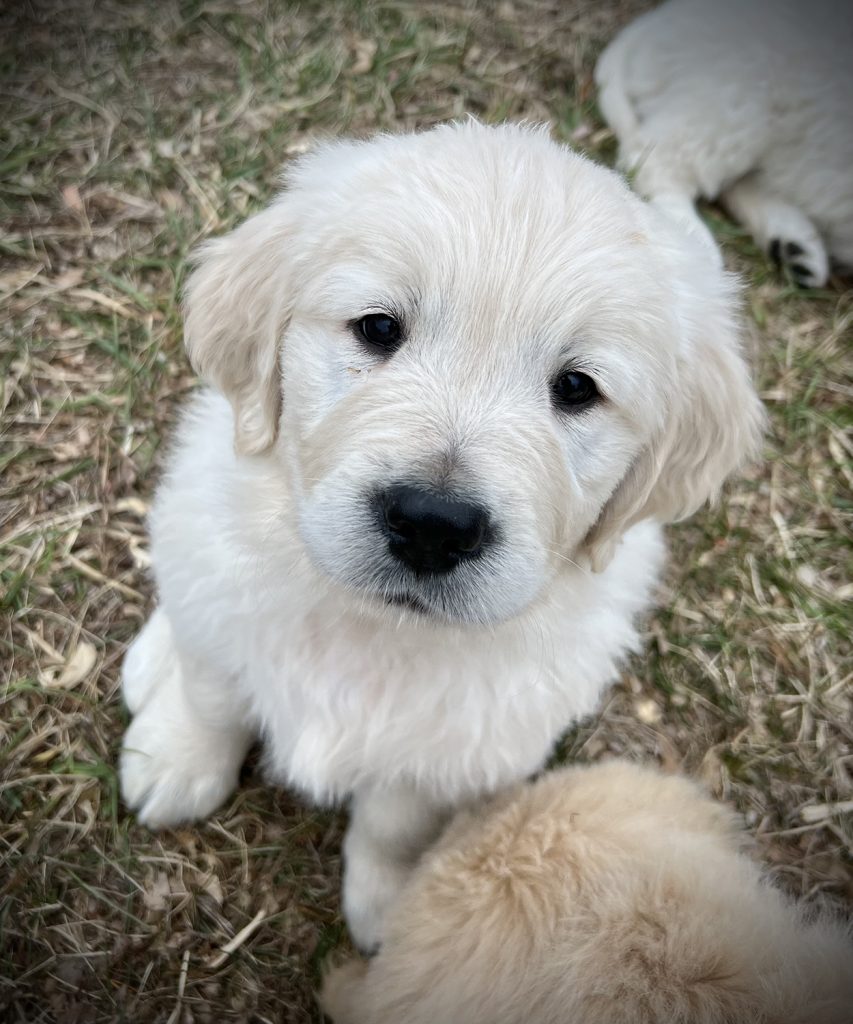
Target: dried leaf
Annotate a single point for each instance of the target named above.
(156, 896)
(213, 887)
(72, 198)
(813, 813)
(15, 280)
(77, 667)
(104, 300)
(647, 711)
(69, 279)
(365, 52)
(139, 553)
(132, 504)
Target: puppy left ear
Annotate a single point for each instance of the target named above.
(236, 309)
(715, 421)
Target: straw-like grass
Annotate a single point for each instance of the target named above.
(129, 132)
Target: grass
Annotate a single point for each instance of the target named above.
(127, 136)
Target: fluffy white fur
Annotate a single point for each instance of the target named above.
(509, 258)
(603, 895)
(747, 101)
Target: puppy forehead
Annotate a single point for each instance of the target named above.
(470, 206)
(452, 163)
(497, 234)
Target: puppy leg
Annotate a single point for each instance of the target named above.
(147, 660)
(183, 750)
(389, 829)
(344, 991)
(785, 234)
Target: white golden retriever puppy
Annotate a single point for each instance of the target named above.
(458, 380)
(747, 101)
(603, 895)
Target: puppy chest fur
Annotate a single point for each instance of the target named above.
(345, 697)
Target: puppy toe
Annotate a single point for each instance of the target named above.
(166, 791)
(172, 768)
(802, 275)
(804, 262)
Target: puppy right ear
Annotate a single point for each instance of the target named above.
(236, 309)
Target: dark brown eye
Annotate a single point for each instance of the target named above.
(380, 331)
(574, 391)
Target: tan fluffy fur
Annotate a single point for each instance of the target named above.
(603, 895)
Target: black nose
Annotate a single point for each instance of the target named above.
(430, 532)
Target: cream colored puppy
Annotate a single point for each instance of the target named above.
(747, 101)
(458, 380)
(603, 895)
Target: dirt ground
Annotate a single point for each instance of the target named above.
(130, 131)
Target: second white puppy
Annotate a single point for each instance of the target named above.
(747, 101)
(451, 372)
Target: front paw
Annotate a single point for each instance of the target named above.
(371, 887)
(174, 770)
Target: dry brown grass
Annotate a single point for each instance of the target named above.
(129, 132)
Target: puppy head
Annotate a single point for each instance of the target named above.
(478, 358)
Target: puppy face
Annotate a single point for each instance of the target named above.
(472, 352)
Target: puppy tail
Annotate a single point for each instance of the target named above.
(613, 98)
(654, 179)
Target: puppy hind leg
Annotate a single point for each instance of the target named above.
(182, 752)
(783, 232)
(389, 829)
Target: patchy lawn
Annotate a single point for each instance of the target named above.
(129, 132)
